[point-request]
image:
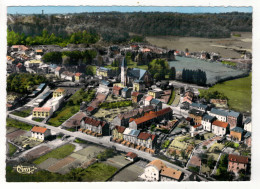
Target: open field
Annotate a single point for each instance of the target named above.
(222, 46)
(130, 173)
(238, 91)
(58, 153)
(11, 149)
(215, 71)
(18, 124)
(35, 153)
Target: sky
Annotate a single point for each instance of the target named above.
(79, 9)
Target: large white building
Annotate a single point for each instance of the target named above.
(156, 170)
(220, 128)
(221, 115)
(207, 122)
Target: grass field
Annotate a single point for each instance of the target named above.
(11, 150)
(58, 153)
(98, 172)
(25, 112)
(172, 97)
(17, 124)
(238, 91)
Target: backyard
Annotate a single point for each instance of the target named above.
(71, 107)
(17, 124)
(238, 91)
(57, 153)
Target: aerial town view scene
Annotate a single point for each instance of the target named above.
(134, 94)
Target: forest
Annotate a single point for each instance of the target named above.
(116, 27)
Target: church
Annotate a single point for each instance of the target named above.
(132, 75)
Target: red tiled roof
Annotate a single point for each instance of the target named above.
(149, 98)
(151, 115)
(38, 129)
(90, 109)
(117, 88)
(78, 74)
(144, 136)
(157, 163)
(19, 65)
(220, 124)
(94, 122)
(120, 129)
(135, 94)
(42, 109)
(131, 155)
(237, 158)
(172, 173)
(195, 126)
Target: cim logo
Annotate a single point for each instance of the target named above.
(25, 169)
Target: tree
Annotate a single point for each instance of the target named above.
(65, 59)
(172, 74)
(89, 70)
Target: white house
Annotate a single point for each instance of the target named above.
(40, 132)
(147, 100)
(131, 156)
(220, 128)
(156, 170)
(221, 115)
(248, 124)
(207, 122)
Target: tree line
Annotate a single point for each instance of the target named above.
(159, 68)
(198, 77)
(45, 38)
(115, 27)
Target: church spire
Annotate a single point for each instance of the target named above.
(124, 63)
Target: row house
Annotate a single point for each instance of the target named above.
(207, 121)
(146, 140)
(237, 163)
(247, 139)
(196, 115)
(95, 125)
(117, 133)
(136, 97)
(234, 119)
(156, 171)
(123, 118)
(220, 128)
(130, 136)
(116, 90)
(155, 93)
(248, 124)
(42, 112)
(221, 115)
(126, 92)
(79, 76)
(199, 106)
(150, 117)
(40, 132)
(236, 133)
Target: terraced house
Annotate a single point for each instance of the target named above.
(95, 126)
(196, 115)
(146, 140)
(221, 115)
(207, 121)
(42, 112)
(117, 133)
(234, 119)
(58, 92)
(220, 128)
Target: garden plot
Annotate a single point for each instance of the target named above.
(216, 147)
(27, 141)
(90, 151)
(48, 163)
(114, 99)
(35, 153)
(11, 129)
(214, 70)
(110, 114)
(61, 163)
(117, 161)
(15, 134)
(130, 173)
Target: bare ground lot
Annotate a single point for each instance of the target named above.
(38, 152)
(15, 134)
(196, 44)
(131, 173)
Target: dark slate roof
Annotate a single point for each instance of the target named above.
(196, 112)
(41, 86)
(134, 132)
(219, 112)
(248, 120)
(136, 73)
(237, 129)
(233, 114)
(104, 82)
(208, 117)
(125, 89)
(124, 63)
(198, 105)
(155, 101)
(248, 134)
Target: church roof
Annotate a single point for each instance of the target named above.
(136, 73)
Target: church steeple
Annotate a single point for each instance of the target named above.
(124, 63)
(124, 72)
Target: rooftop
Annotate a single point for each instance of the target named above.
(220, 124)
(157, 163)
(172, 173)
(219, 112)
(237, 158)
(38, 129)
(238, 130)
(131, 155)
(42, 109)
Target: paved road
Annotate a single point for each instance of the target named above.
(105, 141)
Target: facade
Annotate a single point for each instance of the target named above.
(42, 112)
(248, 125)
(117, 133)
(234, 119)
(221, 115)
(147, 100)
(157, 103)
(196, 115)
(207, 122)
(146, 140)
(58, 92)
(154, 93)
(138, 86)
(237, 163)
(104, 72)
(67, 76)
(131, 156)
(136, 97)
(58, 71)
(116, 90)
(220, 128)
(126, 92)
(156, 170)
(149, 118)
(40, 132)
(236, 133)
(247, 139)
(95, 126)
(33, 63)
(78, 76)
